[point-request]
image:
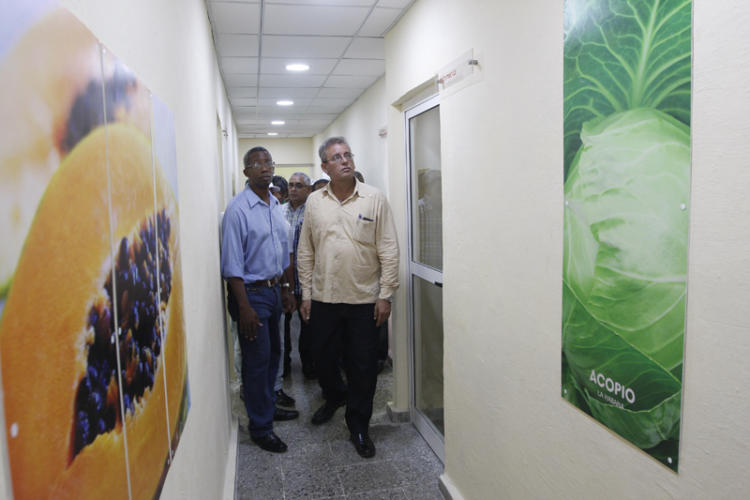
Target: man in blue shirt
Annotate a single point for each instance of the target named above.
(254, 256)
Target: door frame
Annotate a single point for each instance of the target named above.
(434, 438)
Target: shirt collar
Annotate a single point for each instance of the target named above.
(254, 199)
(327, 191)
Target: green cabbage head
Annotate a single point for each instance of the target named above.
(624, 272)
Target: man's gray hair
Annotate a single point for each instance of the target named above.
(305, 178)
(327, 144)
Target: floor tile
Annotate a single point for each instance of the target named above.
(370, 476)
(321, 463)
(311, 482)
(394, 494)
(425, 492)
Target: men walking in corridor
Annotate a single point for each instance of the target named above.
(254, 255)
(348, 271)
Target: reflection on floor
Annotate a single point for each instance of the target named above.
(322, 463)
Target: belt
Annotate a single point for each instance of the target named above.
(269, 282)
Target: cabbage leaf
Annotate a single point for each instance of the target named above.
(621, 55)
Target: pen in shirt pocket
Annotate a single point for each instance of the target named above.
(365, 218)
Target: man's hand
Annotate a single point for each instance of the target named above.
(249, 323)
(382, 311)
(304, 310)
(288, 304)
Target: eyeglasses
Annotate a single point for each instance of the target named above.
(337, 158)
(264, 163)
(297, 185)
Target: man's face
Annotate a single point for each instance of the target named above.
(298, 190)
(259, 170)
(339, 167)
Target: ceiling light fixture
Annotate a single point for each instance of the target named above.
(284, 102)
(273, 133)
(278, 122)
(297, 67)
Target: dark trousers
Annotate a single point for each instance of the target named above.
(287, 354)
(348, 330)
(304, 345)
(260, 359)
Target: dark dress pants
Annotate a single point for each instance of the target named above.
(348, 330)
(260, 359)
(287, 354)
(305, 349)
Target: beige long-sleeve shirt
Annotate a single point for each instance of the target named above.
(348, 251)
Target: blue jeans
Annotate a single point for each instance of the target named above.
(260, 359)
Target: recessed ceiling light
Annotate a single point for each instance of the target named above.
(297, 67)
(278, 122)
(285, 102)
(273, 133)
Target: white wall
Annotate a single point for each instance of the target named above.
(284, 150)
(361, 123)
(508, 432)
(169, 47)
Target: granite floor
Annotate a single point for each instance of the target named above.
(322, 463)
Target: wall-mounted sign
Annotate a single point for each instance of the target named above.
(627, 197)
(92, 337)
(460, 68)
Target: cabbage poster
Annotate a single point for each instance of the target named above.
(627, 72)
(92, 336)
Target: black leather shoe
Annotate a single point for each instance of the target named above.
(284, 399)
(325, 412)
(270, 442)
(282, 414)
(363, 444)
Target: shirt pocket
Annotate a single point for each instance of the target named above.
(364, 229)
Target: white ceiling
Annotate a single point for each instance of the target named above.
(341, 40)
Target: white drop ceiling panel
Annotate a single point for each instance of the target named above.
(287, 92)
(239, 102)
(291, 80)
(357, 82)
(241, 79)
(341, 40)
(299, 103)
(366, 48)
(233, 17)
(237, 45)
(379, 21)
(242, 92)
(304, 46)
(399, 4)
(358, 3)
(239, 64)
(279, 111)
(313, 20)
(374, 67)
(278, 66)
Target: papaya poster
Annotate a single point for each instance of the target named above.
(92, 337)
(627, 80)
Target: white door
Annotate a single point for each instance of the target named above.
(426, 270)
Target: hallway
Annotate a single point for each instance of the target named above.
(322, 463)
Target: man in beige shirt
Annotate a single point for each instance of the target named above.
(347, 263)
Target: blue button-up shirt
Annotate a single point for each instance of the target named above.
(254, 240)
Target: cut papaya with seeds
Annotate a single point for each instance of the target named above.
(71, 335)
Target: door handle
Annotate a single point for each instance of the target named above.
(438, 283)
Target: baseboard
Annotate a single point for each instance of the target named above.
(231, 468)
(448, 489)
(398, 416)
